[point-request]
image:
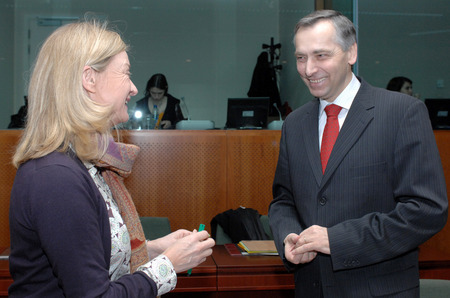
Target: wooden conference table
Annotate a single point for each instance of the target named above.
(5, 277)
(252, 276)
(236, 276)
(223, 275)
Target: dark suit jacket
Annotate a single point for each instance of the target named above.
(382, 195)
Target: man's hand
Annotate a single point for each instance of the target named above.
(303, 248)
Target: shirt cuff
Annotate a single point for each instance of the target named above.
(161, 271)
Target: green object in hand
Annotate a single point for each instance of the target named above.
(200, 228)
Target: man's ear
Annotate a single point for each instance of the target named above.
(89, 79)
(353, 54)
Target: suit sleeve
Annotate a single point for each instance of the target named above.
(419, 192)
(283, 216)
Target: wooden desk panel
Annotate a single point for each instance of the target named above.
(202, 279)
(180, 175)
(223, 275)
(250, 273)
(187, 176)
(200, 174)
(5, 277)
(8, 141)
(434, 263)
(441, 241)
(252, 158)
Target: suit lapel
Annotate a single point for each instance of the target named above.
(359, 116)
(311, 140)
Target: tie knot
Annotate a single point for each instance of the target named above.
(332, 110)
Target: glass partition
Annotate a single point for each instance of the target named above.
(406, 38)
(208, 49)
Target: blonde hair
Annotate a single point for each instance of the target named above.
(60, 112)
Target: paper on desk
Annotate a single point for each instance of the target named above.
(4, 255)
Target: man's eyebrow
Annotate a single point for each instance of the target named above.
(318, 51)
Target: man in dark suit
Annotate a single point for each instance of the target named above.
(350, 225)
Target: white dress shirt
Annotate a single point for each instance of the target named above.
(344, 100)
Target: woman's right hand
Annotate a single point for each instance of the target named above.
(159, 245)
(190, 251)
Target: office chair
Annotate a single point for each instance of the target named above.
(434, 288)
(221, 236)
(155, 227)
(265, 222)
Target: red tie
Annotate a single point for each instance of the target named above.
(330, 133)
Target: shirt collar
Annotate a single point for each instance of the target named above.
(345, 99)
(91, 168)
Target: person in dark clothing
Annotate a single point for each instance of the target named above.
(359, 184)
(156, 93)
(400, 84)
(264, 83)
(18, 120)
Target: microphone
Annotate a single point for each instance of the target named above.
(184, 108)
(276, 124)
(192, 124)
(279, 113)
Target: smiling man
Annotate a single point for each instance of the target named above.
(359, 184)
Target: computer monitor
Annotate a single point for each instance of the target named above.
(247, 113)
(439, 111)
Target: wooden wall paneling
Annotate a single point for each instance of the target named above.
(252, 158)
(200, 174)
(180, 175)
(9, 139)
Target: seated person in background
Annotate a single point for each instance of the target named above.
(74, 228)
(156, 93)
(400, 84)
(18, 120)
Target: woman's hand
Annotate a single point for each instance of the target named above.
(158, 246)
(166, 124)
(190, 251)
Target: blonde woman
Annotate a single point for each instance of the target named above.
(74, 229)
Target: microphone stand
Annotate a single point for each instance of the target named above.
(276, 124)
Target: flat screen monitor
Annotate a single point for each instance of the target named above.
(247, 113)
(439, 111)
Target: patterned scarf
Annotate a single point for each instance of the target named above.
(116, 165)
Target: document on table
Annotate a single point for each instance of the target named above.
(260, 247)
